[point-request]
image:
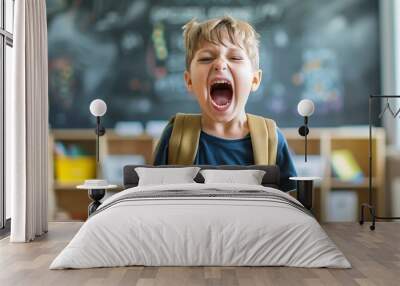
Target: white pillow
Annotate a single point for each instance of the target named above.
(164, 176)
(249, 177)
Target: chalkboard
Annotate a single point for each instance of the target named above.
(131, 54)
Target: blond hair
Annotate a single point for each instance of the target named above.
(240, 33)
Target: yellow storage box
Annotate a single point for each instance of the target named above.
(75, 169)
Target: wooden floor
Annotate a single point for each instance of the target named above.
(375, 257)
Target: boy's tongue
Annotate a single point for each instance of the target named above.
(221, 96)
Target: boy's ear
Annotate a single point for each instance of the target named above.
(188, 81)
(257, 75)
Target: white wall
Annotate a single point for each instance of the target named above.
(390, 64)
(390, 79)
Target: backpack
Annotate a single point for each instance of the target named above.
(184, 140)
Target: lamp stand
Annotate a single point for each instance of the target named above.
(370, 205)
(95, 195)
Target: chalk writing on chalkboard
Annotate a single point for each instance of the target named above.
(131, 54)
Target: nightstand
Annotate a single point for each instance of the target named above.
(304, 187)
(96, 191)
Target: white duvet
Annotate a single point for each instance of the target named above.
(187, 230)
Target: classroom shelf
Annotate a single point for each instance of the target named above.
(339, 184)
(321, 142)
(72, 202)
(65, 186)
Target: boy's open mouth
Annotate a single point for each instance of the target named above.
(221, 95)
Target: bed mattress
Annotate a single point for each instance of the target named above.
(201, 225)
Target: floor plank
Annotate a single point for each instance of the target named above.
(375, 257)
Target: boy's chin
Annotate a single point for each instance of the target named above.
(223, 117)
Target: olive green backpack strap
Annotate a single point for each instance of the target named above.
(184, 140)
(263, 139)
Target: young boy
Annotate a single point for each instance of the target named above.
(222, 68)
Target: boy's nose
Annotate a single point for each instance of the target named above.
(220, 65)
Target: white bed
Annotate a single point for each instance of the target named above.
(201, 224)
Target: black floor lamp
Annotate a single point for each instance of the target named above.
(370, 205)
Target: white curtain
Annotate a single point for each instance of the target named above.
(27, 123)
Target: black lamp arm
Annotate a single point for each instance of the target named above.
(303, 131)
(100, 131)
(305, 137)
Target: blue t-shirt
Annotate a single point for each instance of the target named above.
(219, 151)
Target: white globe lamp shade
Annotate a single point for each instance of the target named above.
(98, 107)
(305, 107)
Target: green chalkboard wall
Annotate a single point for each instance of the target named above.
(130, 54)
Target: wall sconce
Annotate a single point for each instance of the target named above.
(304, 185)
(305, 108)
(98, 108)
(97, 187)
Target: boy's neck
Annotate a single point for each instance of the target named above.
(235, 129)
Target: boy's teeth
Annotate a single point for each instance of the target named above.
(220, 81)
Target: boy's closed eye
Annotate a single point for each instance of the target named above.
(236, 58)
(207, 59)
